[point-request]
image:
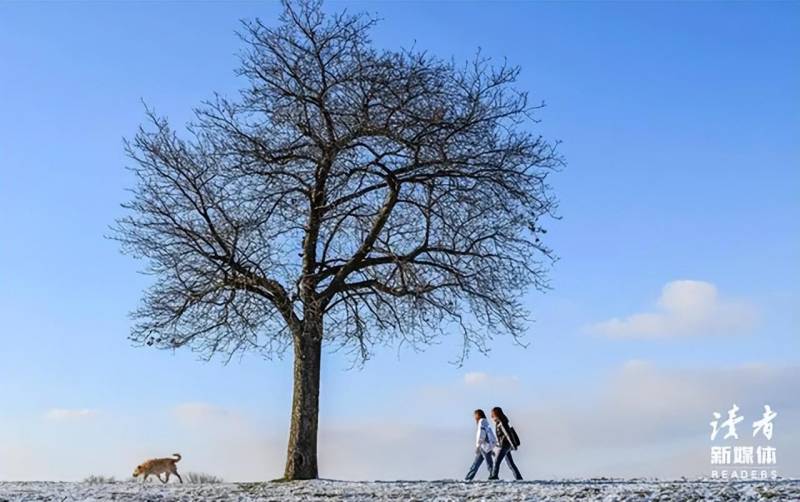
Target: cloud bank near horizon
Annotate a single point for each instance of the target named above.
(643, 420)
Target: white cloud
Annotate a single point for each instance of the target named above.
(196, 413)
(58, 414)
(685, 308)
(476, 378)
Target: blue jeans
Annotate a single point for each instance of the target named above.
(480, 456)
(505, 453)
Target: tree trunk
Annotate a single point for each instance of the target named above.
(301, 458)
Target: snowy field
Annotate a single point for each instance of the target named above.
(584, 490)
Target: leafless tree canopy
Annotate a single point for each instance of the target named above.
(389, 196)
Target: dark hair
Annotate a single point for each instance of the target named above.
(480, 413)
(498, 411)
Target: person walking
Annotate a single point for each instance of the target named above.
(485, 442)
(507, 440)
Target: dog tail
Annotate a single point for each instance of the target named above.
(177, 455)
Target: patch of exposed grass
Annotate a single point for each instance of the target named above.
(202, 478)
(99, 480)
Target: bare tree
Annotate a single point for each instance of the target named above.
(350, 196)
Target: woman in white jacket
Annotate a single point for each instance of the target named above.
(485, 442)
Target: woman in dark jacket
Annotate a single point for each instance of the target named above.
(502, 427)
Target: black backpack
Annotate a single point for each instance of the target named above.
(512, 436)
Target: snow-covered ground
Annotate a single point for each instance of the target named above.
(584, 490)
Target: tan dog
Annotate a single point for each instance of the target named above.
(157, 466)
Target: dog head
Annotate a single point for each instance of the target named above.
(139, 470)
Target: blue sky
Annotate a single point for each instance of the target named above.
(680, 124)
